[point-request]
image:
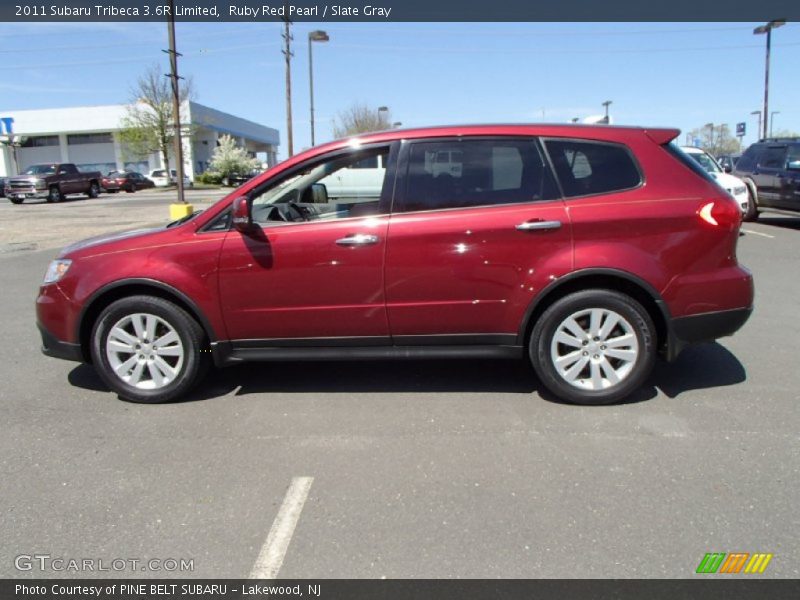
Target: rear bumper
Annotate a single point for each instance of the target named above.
(52, 346)
(704, 327)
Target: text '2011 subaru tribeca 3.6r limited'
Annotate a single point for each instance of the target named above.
(587, 250)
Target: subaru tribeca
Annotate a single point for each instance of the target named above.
(587, 250)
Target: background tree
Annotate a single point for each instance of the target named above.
(716, 139)
(228, 158)
(148, 125)
(785, 133)
(360, 118)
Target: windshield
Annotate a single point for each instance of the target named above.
(40, 170)
(705, 161)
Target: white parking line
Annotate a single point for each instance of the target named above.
(273, 551)
(766, 235)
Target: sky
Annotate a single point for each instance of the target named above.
(659, 74)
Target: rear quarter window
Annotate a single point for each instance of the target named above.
(586, 167)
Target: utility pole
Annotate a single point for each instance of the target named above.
(761, 29)
(176, 100)
(313, 36)
(287, 53)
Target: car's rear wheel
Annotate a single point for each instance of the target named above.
(751, 214)
(130, 189)
(148, 349)
(593, 347)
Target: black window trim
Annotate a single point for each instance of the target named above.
(401, 181)
(631, 155)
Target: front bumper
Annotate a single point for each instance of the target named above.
(52, 346)
(704, 327)
(26, 193)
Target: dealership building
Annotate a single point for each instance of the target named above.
(86, 137)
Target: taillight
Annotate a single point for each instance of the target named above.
(723, 212)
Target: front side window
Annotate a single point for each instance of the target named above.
(585, 167)
(462, 174)
(341, 187)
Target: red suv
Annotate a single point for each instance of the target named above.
(586, 249)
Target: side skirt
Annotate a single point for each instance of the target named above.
(228, 353)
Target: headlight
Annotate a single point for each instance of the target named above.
(39, 184)
(57, 269)
(737, 191)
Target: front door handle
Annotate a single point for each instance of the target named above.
(538, 225)
(358, 239)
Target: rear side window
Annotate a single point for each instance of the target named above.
(585, 167)
(466, 173)
(774, 157)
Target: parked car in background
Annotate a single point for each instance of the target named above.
(237, 179)
(771, 171)
(728, 161)
(538, 242)
(128, 181)
(52, 181)
(733, 185)
(160, 179)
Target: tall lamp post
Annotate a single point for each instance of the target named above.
(606, 104)
(384, 112)
(758, 112)
(313, 36)
(772, 120)
(761, 29)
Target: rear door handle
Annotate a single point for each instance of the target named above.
(538, 225)
(358, 239)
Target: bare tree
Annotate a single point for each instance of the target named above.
(148, 124)
(716, 139)
(360, 118)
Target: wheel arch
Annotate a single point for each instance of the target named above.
(133, 287)
(600, 278)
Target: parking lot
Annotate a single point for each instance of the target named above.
(420, 469)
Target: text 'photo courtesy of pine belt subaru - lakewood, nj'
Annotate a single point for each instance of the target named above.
(587, 250)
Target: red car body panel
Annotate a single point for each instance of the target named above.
(458, 271)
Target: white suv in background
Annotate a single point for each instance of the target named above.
(733, 185)
(159, 177)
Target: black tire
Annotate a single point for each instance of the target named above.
(196, 359)
(16, 200)
(94, 190)
(54, 194)
(130, 189)
(751, 214)
(548, 323)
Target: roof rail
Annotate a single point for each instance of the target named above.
(780, 139)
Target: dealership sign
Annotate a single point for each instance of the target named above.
(6, 125)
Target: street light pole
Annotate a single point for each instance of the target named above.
(758, 112)
(772, 120)
(313, 36)
(761, 29)
(606, 104)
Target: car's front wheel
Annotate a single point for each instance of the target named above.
(148, 349)
(751, 213)
(593, 347)
(94, 190)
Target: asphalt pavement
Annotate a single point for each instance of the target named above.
(420, 469)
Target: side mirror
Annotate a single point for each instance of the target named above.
(727, 168)
(320, 193)
(793, 165)
(242, 217)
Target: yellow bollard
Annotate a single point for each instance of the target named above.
(178, 211)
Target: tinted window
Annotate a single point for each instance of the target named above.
(774, 157)
(592, 168)
(475, 173)
(793, 158)
(748, 159)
